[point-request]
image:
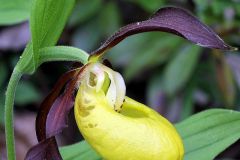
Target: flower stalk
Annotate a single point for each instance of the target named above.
(9, 102)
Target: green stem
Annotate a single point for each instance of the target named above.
(9, 102)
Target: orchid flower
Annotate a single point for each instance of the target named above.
(116, 126)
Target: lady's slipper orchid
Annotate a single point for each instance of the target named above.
(116, 126)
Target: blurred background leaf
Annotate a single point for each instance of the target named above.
(180, 68)
(86, 37)
(26, 93)
(81, 150)
(3, 78)
(147, 58)
(3, 71)
(84, 10)
(150, 5)
(233, 61)
(14, 11)
(109, 19)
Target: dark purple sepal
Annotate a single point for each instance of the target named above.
(44, 150)
(52, 117)
(49, 102)
(172, 20)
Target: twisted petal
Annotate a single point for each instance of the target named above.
(172, 20)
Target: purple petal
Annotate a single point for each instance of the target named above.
(49, 102)
(52, 118)
(46, 149)
(58, 114)
(173, 20)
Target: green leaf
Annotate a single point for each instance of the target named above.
(14, 11)
(123, 53)
(188, 103)
(62, 53)
(87, 37)
(26, 93)
(3, 78)
(109, 19)
(208, 133)
(218, 7)
(47, 22)
(3, 74)
(83, 10)
(162, 47)
(205, 78)
(150, 5)
(201, 4)
(81, 150)
(48, 18)
(180, 69)
(1, 107)
(225, 80)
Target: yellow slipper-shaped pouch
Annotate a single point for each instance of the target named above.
(118, 127)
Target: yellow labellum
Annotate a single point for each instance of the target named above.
(136, 133)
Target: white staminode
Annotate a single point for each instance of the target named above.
(117, 89)
(99, 76)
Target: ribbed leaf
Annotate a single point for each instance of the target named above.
(208, 133)
(47, 21)
(81, 150)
